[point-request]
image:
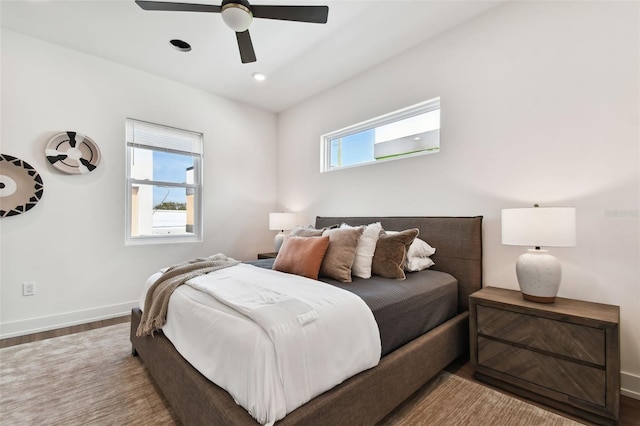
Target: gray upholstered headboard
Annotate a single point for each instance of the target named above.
(458, 243)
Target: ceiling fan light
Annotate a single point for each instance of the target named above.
(237, 17)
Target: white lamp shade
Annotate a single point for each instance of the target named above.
(282, 221)
(539, 226)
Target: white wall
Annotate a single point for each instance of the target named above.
(72, 242)
(540, 103)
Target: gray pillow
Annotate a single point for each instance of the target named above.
(302, 231)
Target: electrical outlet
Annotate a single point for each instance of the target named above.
(29, 288)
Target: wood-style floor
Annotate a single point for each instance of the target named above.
(629, 407)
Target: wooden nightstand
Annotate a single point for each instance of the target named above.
(267, 255)
(564, 354)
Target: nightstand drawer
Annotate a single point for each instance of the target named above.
(576, 380)
(556, 337)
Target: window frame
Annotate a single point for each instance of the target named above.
(392, 117)
(196, 187)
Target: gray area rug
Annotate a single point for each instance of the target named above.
(90, 378)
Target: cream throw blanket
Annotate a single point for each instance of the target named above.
(157, 298)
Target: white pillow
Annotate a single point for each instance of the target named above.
(414, 264)
(364, 251)
(420, 248)
(418, 255)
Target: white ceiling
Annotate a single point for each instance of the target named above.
(299, 59)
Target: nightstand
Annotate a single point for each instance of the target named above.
(267, 255)
(564, 354)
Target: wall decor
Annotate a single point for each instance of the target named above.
(21, 186)
(72, 153)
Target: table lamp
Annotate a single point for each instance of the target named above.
(538, 272)
(281, 222)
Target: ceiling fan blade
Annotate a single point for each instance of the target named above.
(177, 7)
(313, 14)
(247, 53)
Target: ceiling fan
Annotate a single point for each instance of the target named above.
(238, 14)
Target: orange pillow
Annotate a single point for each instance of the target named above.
(301, 256)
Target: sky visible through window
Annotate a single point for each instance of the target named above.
(355, 149)
(170, 167)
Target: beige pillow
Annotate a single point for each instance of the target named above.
(340, 253)
(301, 256)
(391, 252)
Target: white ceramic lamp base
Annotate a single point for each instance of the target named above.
(278, 240)
(539, 275)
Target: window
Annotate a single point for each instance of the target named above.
(405, 133)
(164, 184)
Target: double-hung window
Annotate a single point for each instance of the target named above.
(408, 132)
(164, 184)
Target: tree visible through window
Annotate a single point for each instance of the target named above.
(408, 132)
(164, 184)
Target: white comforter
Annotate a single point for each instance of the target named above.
(272, 340)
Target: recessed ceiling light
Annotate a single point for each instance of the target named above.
(181, 45)
(258, 76)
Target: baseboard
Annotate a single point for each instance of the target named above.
(630, 385)
(67, 319)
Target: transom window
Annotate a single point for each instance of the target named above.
(164, 184)
(411, 131)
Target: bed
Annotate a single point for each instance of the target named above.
(367, 397)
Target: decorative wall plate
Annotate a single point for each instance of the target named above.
(73, 153)
(21, 186)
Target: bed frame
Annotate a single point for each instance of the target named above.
(367, 397)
